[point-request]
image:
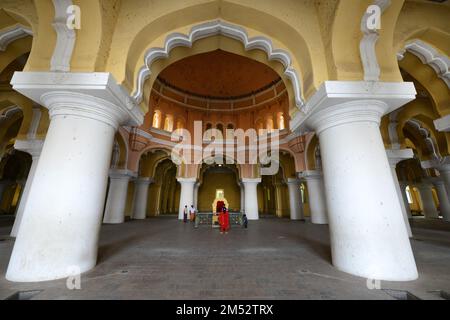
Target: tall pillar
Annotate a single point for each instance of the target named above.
(251, 197)
(403, 185)
(444, 171)
(117, 196)
(444, 202)
(186, 195)
(33, 147)
(65, 202)
(242, 197)
(426, 195)
(196, 187)
(367, 230)
(279, 199)
(141, 186)
(394, 157)
(316, 196)
(295, 199)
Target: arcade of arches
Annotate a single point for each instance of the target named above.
(88, 118)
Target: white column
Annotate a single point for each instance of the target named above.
(394, 157)
(403, 185)
(295, 199)
(367, 230)
(117, 196)
(242, 197)
(426, 195)
(279, 199)
(186, 194)
(141, 186)
(444, 171)
(196, 187)
(444, 202)
(33, 147)
(316, 196)
(65, 203)
(251, 197)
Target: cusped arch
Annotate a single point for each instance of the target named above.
(225, 29)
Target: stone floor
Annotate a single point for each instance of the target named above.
(161, 258)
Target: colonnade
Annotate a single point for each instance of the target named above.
(356, 192)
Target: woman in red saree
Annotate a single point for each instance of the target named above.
(224, 220)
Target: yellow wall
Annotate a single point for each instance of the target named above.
(219, 180)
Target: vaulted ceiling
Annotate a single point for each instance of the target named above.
(218, 74)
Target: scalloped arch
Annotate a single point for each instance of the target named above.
(214, 28)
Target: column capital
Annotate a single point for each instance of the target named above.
(251, 180)
(310, 174)
(144, 180)
(397, 155)
(31, 146)
(442, 124)
(121, 174)
(437, 181)
(340, 102)
(94, 95)
(294, 181)
(187, 180)
(424, 184)
(442, 164)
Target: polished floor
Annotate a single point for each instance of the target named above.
(161, 258)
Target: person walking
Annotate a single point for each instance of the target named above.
(192, 213)
(185, 214)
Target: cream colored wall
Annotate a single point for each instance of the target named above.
(213, 181)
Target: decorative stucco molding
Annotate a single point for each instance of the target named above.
(442, 124)
(215, 28)
(9, 112)
(429, 55)
(13, 33)
(98, 92)
(392, 130)
(425, 133)
(367, 45)
(65, 37)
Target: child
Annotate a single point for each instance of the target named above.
(244, 221)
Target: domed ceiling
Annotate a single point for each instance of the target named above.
(218, 74)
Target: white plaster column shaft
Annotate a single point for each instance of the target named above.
(444, 202)
(241, 185)
(186, 194)
(403, 185)
(444, 171)
(367, 229)
(394, 157)
(295, 200)
(316, 196)
(66, 199)
(196, 187)
(117, 196)
(426, 195)
(251, 197)
(33, 147)
(141, 186)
